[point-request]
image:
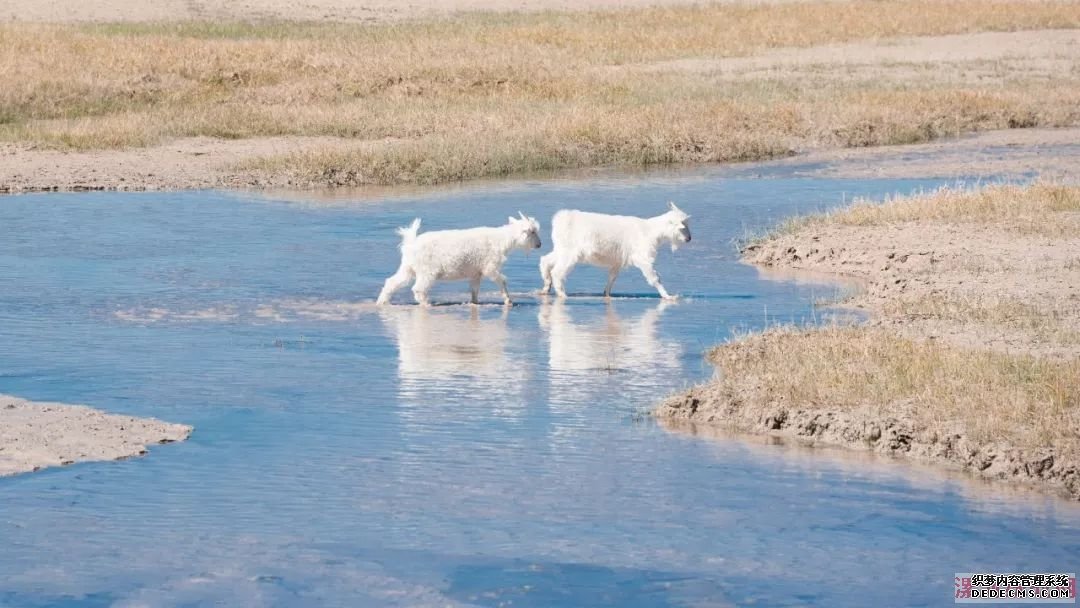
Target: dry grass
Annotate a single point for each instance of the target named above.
(990, 291)
(988, 396)
(1046, 209)
(974, 360)
(1052, 323)
(489, 94)
(1026, 395)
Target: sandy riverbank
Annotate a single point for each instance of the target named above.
(972, 355)
(37, 435)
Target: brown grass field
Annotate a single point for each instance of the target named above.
(489, 94)
(1042, 208)
(991, 397)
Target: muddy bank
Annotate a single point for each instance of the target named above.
(892, 432)
(185, 164)
(1009, 154)
(202, 162)
(35, 435)
(963, 290)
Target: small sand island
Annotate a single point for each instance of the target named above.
(36, 435)
(972, 354)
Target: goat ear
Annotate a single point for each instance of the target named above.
(510, 219)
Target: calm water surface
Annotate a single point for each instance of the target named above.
(348, 456)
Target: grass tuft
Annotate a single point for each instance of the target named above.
(1042, 208)
(988, 396)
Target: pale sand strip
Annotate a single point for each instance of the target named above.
(36, 435)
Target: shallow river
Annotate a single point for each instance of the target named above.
(347, 456)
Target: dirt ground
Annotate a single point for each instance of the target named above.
(1043, 52)
(921, 261)
(34, 436)
(186, 164)
(308, 10)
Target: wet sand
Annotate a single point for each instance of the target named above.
(36, 435)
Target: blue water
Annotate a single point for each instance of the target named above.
(346, 456)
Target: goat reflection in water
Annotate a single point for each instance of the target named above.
(455, 352)
(604, 358)
(611, 353)
(466, 352)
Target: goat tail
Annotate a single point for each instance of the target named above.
(408, 233)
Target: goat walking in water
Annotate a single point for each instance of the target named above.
(610, 241)
(449, 255)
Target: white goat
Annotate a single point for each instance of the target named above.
(450, 255)
(610, 241)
